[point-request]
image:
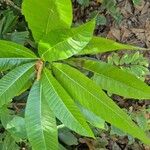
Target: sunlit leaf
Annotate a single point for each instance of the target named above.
(40, 121)
(14, 81)
(100, 45)
(56, 14)
(63, 106)
(62, 44)
(88, 94)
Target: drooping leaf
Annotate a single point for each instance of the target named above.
(14, 81)
(63, 44)
(40, 121)
(117, 81)
(63, 106)
(9, 49)
(56, 14)
(10, 63)
(100, 45)
(88, 94)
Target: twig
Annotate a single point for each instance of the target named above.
(10, 3)
(39, 68)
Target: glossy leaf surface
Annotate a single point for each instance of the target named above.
(14, 81)
(56, 14)
(10, 63)
(117, 81)
(100, 45)
(40, 121)
(63, 106)
(93, 98)
(10, 49)
(63, 44)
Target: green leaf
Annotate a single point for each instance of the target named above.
(8, 22)
(66, 137)
(56, 14)
(40, 121)
(63, 106)
(9, 143)
(137, 2)
(117, 81)
(100, 45)
(88, 94)
(19, 37)
(62, 44)
(9, 49)
(14, 81)
(10, 63)
(61, 147)
(15, 125)
(93, 119)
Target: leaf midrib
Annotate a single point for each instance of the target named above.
(21, 50)
(42, 130)
(93, 95)
(64, 41)
(63, 103)
(16, 79)
(109, 77)
(119, 82)
(19, 58)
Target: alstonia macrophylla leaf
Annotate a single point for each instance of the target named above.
(10, 63)
(63, 106)
(63, 44)
(12, 50)
(91, 96)
(14, 81)
(101, 45)
(93, 119)
(116, 81)
(56, 14)
(40, 121)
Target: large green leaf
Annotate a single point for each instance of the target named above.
(63, 106)
(116, 81)
(88, 94)
(65, 43)
(93, 119)
(100, 45)
(14, 81)
(40, 121)
(10, 63)
(56, 14)
(10, 49)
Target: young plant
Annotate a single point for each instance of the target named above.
(60, 90)
(134, 63)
